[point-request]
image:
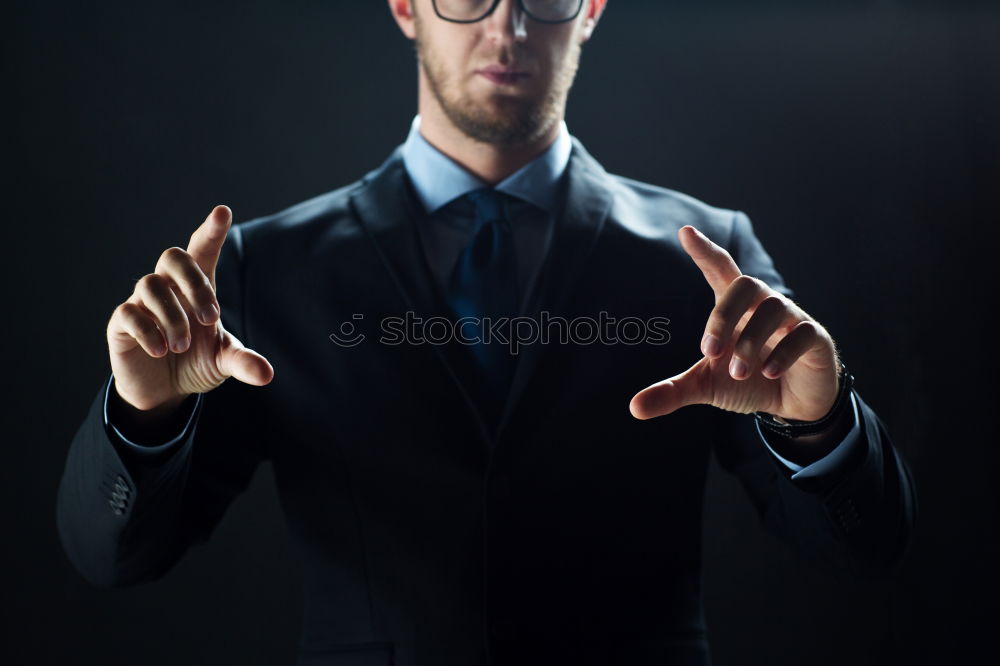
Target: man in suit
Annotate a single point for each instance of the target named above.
(454, 502)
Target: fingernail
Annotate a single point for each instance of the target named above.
(208, 313)
(737, 368)
(710, 345)
(771, 368)
(160, 348)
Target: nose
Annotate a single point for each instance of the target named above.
(507, 23)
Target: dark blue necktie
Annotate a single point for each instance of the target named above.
(483, 285)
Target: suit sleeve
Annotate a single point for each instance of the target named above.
(843, 451)
(852, 516)
(188, 410)
(126, 516)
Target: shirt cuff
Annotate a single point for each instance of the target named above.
(831, 460)
(143, 448)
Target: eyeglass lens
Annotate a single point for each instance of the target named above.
(542, 10)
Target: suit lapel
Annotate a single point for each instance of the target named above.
(390, 212)
(586, 201)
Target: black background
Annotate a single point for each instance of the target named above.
(861, 137)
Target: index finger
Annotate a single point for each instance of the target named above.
(715, 263)
(207, 240)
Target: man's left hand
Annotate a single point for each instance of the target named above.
(762, 352)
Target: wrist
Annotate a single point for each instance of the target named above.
(826, 427)
(146, 425)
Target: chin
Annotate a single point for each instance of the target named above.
(499, 119)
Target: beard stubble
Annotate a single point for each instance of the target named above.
(511, 120)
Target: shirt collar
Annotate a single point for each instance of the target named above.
(439, 180)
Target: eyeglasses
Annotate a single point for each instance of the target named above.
(543, 11)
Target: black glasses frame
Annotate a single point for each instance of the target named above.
(493, 7)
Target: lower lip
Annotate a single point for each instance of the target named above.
(504, 79)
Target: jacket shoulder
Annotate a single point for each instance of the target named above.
(308, 223)
(303, 219)
(653, 211)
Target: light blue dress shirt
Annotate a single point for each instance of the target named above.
(446, 231)
(438, 181)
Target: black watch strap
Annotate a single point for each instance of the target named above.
(794, 428)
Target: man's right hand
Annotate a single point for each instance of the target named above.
(167, 341)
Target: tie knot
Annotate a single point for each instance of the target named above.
(491, 206)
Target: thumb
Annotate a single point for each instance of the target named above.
(688, 388)
(244, 364)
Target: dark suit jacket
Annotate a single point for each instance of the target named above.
(571, 536)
